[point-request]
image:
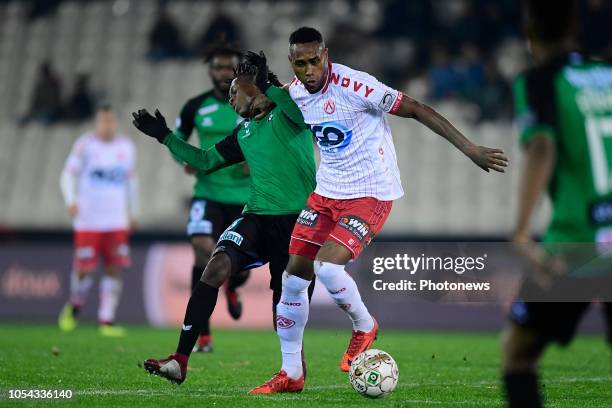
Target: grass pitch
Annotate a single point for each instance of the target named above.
(436, 369)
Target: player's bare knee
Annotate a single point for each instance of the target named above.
(334, 252)
(203, 247)
(217, 270)
(301, 267)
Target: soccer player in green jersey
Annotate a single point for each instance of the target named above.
(564, 116)
(218, 198)
(277, 145)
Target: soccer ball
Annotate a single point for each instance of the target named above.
(373, 373)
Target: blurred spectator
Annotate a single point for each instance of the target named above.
(45, 103)
(596, 32)
(443, 79)
(469, 69)
(494, 96)
(165, 40)
(80, 105)
(222, 29)
(41, 8)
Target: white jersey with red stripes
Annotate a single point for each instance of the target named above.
(103, 170)
(347, 118)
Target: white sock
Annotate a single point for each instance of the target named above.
(79, 288)
(110, 292)
(343, 289)
(291, 318)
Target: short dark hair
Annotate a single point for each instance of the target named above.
(221, 49)
(305, 35)
(104, 107)
(550, 23)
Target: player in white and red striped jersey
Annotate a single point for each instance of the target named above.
(357, 181)
(99, 186)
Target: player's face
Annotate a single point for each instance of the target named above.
(222, 71)
(309, 63)
(241, 95)
(106, 124)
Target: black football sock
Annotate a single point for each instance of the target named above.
(522, 390)
(201, 305)
(196, 274)
(238, 279)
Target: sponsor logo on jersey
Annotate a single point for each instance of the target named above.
(356, 226)
(283, 323)
(346, 82)
(208, 109)
(332, 136)
(329, 106)
(308, 217)
(386, 102)
(207, 121)
(114, 175)
(232, 236)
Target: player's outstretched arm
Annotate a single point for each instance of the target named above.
(206, 161)
(484, 157)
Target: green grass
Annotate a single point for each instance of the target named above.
(436, 369)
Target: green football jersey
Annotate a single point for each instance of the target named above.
(569, 100)
(212, 120)
(278, 149)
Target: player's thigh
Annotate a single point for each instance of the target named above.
(359, 221)
(115, 249)
(312, 227)
(240, 243)
(521, 348)
(86, 251)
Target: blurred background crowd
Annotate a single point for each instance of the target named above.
(59, 58)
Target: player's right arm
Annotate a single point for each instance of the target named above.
(70, 172)
(533, 98)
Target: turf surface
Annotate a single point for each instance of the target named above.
(436, 369)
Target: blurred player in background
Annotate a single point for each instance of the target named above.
(357, 181)
(277, 145)
(564, 116)
(218, 198)
(100, 189)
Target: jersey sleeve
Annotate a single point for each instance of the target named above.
(76, 158)
(371, 94)
(206, 161)
(534, 106)
(229, 148)
(283, 100)
(184, 122)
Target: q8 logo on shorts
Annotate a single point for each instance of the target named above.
(332, 136)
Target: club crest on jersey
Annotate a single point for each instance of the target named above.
(356, 226)
(329, 106)
(332, 136)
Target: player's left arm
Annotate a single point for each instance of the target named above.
(486, 158)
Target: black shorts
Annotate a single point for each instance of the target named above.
(211, 218)
(254, 240)
(555, 321)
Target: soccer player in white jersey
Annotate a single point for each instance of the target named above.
(357, 181)
(99, 186)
